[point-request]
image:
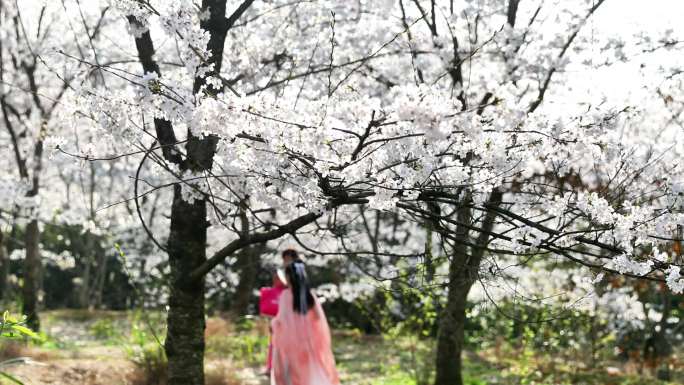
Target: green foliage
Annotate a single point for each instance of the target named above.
(105, 329)
(245, 324)
(549, 330)
(408, 319)
(13, 328)
(413, 335)
(417, 359)
(247, 348)
(147, 353)
(10, 378)
(399, 357)
(371, 360)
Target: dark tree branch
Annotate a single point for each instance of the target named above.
(163, 128)
(233, 18)
(545, 85)
(251, 239)
(512, 12)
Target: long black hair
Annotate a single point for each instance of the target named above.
(302, 299)
(291, 253)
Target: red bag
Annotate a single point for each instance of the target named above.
(268, 301)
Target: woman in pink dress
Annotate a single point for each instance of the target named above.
(279, 283)
(302, 353)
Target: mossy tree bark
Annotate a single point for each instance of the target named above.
(184, 343)
(4, 268)
(463, 273)
(186, 245)
(32, 265)
(247, 265)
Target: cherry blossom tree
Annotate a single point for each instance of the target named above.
(26, 119)
(269, 120)
(35, 79)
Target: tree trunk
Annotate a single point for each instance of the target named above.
(187, 239)
(248, 266)
(187, 250)
(100, 278)
(87, 283)
(32, 266)
(451, 336)
(463, 273)
(4, 268)
(84, 289)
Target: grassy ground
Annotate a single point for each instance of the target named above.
(97, 348)
(378, 361)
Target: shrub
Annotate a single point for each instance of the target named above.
(151, 365)
(149, 358)
(13, 328)
(104, 329)
(247, 348)
(217, 327)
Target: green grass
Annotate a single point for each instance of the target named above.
(381, 361)
(361, 360)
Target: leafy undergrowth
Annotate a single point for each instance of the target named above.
(120, 348)
(408, 361)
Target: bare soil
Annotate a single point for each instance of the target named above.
(97, 365)
(89, 366)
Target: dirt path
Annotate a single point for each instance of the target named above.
(88, 366)
(99, 365)
(85, 360)
(73, 371)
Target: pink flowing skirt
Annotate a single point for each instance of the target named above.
(302, 353)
